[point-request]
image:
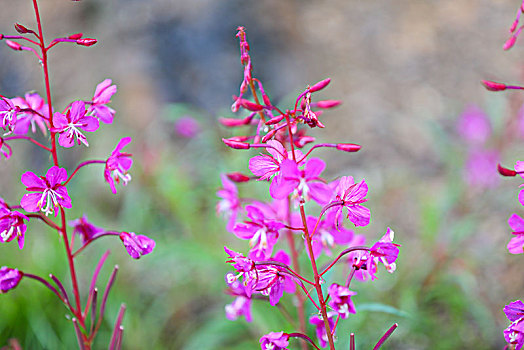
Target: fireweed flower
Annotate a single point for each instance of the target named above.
(33, 111)
(103, 93)
(118, 165)
(274, 341)
(242, 303)
(516, 244)
(306, 183)
(50, 193)
(341, 300)
(352, 195)
(229, 205)
(320, 327)
(514, 334)
(261, 232)
(9, 278)
(86, 230)
(245, 269)
(70, 126)
(8, 115)
(272, 281)
(385, 251)
(514, 310)
(12, 225)
(137, 245)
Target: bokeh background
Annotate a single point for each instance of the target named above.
(405, 70)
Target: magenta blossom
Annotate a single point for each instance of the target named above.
(49, 194)
(385, 251)
(274, 341)
(272, 280)
(241, 306)
(33, 112)
(118, 165)
(229, 205)
(516, 244)
(306, 183)
(8, 115)
(514, 310)
(341, 300)
(245, 269)
(12, 225)
(9, 278)
(474, 125)
(70, 126)
(514, 334)
(103, 93)
(86, 230)
(261, 232)
(137, 245)
(320, 327)
(352, 196)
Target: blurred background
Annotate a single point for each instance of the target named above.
(406, 71)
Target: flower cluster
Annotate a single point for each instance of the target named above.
(279, 230)
(33, 118)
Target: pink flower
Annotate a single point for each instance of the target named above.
(33, 111)
(49, 194)
(516, 244)
(118, 165)
(266, 166)
(9, 278)
(320, 327)
(103, 93)
(187, 127)
(241, 306)
(474, 125)
(86, 230)
(274, 341)
(306, 183)
(272, 281)
(12, 225)
(352, 195)
(514, 310)
(8, 114)
(137, 245)
(385, 251)
(70, 126)
(514, 334)
(341, 300)
(261, 232)
(229, 205)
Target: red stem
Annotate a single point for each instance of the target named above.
(385, 336)
(81, 165)
(29, 139)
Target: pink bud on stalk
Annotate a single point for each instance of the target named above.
(1, 36)
(22, 29)
(505, 171)
(86, 41)
(238, 177)
(251, 106)
(232, 122)
(75, 36)
(14, 45)
(493, 86)
(327, 103)
(236, 144)
(269, 135)
(320, 85)
(510, 42)
(275, 120)
(348, 147)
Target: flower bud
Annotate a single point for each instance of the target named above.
(275, 120)
(86, 41)
(236, 144)
(251, 106)
(505, 171)
(232, 122)
(22, 29)
(239, 138)
(14, 45)
(327, 103)
(75, 36)
(514, 26)
(348, 147)
(238, 177)
(1, 36)
(269, 135)
(510, 42)
(320, 85)
(493, 86)
(137, 245)
(9, 279)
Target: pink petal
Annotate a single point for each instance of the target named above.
(359, 215)
(104, 113)
(29, 202)
(89, 123)
(56, 175)
(29, 179)
(104, 91)
(65, 201)
(124, 141)
(358, 192)
(320, 192)
(281, 188)
(65, 141)
(262, 166)
(314, 167)
(78, 109)
(278, 151)
(516, 245)
(516, 223)
(60, 121)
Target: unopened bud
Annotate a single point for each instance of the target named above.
(251, 106)
(232, 122)
(267, 102)
(86, 41)
(14, 45)
(269, 135)
(493, 86)
(22, 29)
(505, 171)
(238, 177)
(236, 144)
(510, 42)
(304, 140)
(348, 147)
(75, 36)
(1, 36)
(327, 103)
(239, 138)
(275, 120)
(320, 85)
(514, 26)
